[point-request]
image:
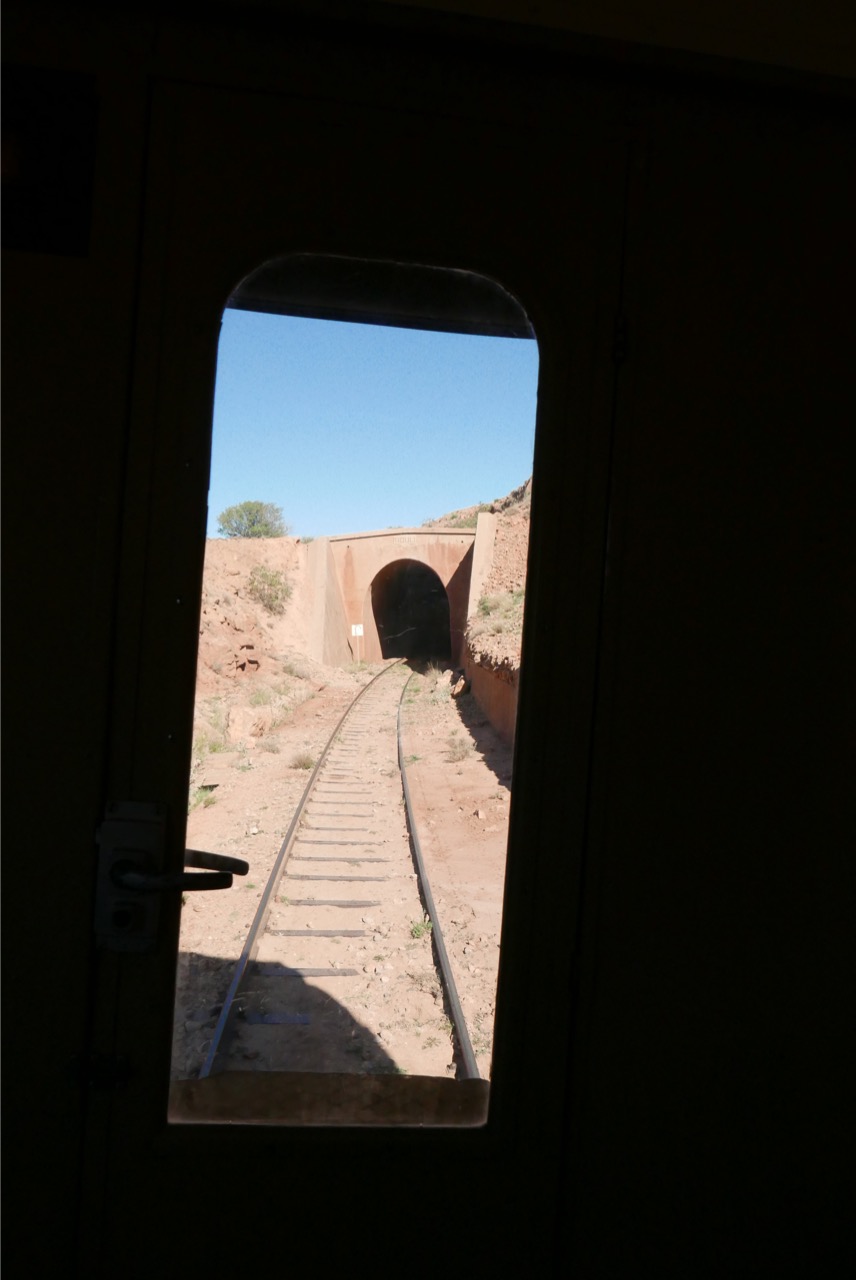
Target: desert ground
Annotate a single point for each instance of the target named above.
(264, 712)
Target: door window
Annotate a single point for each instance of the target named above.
(359, 658)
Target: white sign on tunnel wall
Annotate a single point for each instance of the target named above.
(356, 628)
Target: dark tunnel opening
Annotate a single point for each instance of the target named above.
(411, 612)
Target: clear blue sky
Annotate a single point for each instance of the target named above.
(352, 427)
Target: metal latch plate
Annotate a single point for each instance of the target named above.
(132, 834)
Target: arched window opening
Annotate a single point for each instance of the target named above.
(348, 543)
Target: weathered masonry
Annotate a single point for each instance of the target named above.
(397, 593)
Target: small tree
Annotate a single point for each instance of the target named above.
(252, 520)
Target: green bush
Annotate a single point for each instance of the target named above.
(252, 520)
(269, 588)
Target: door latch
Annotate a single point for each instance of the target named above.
(130, 880)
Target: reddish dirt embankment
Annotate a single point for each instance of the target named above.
(495, 629)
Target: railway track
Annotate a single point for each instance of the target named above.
(344, 969)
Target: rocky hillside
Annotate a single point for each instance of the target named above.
(494, 633)
(252, 671)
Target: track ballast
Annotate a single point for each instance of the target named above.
(344, 968)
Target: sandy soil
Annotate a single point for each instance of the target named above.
(263, 714)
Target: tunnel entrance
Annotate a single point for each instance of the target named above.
(411, 612)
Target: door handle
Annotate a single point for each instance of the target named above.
(127, 902)
(220, 869)
(128, 876)
(215, 862)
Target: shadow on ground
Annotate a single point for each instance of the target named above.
(282, 1023)
(297, 1057)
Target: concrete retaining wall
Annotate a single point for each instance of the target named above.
(329, 631)
(482, 558)
(495, 690)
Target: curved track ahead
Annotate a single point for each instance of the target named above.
(345, 957)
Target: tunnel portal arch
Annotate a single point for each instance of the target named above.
(411, 611)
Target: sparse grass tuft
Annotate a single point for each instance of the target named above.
(261, 696)
(420, 927)
(210, 728)
(296, 669)
(203, 796)
(269, 588)
(456, 748)
(303, 760)
(498, 614)
(464, 520)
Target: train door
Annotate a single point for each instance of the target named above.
(236, 179)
